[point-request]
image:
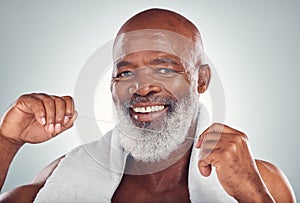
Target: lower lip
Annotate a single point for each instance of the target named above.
(146, 117)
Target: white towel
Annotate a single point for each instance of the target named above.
(92, 173)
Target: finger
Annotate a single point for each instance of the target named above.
(213, 142)
(60, 107)
(209, 154)
(199, 141)
(204, 168)
(65, 127)
(208, 136)
(30, 104)
(49, 105)
(70, 122)
(209, 144)
(70, 109)
(217, 128)
(202, 137)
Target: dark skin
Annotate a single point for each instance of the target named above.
(27, 193)
(168, 185)
(40, 117)
(162, 186)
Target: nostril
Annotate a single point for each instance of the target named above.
(147, 89)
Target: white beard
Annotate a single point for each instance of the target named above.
(151, 144)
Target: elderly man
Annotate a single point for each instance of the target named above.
(151, 155)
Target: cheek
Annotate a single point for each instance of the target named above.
(119, 92)
(179, 88)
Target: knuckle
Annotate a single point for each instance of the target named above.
(59, 100)
(54, 97)
(244, 136)
(40, 95)
(69, 100)
(30, 101)
(232, 147)
(227, 154)
(24, 97)
(238, 140)
(38, 105)
(67, 97)
(49, 101)
(215, 125)
(59, 119)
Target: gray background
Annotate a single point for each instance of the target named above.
(253, 44)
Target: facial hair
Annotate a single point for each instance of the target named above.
(154, 142)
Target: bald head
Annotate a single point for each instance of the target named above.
(161, 30)
(163, 20)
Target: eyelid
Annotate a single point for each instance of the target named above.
(172, 68)
(166, 68)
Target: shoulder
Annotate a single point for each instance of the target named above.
(276, 182)
(27, 193)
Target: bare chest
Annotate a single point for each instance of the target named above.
(132, 192)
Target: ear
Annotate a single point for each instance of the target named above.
(204, 78)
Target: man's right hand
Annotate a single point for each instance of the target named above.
(35, 118)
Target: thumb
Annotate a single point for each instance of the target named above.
(204, 168)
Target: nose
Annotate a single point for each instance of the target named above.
(144, 86)
(147, 89)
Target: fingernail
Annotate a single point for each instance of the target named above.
(75, 115)
(43, 120)
(51, 128)
(66, 119)
(57, 127)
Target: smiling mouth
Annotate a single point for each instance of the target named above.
(148, 109)
(146, 113)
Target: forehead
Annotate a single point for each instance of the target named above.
(156, 40)
(151, 56)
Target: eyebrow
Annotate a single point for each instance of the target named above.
(123, 63)
(164, 60)
(156, 61)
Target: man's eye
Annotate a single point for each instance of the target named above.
(124, 74)
(166, 70)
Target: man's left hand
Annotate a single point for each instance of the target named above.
(228, 151)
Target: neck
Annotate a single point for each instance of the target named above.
(166, 179)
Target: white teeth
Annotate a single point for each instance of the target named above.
(148, 109)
